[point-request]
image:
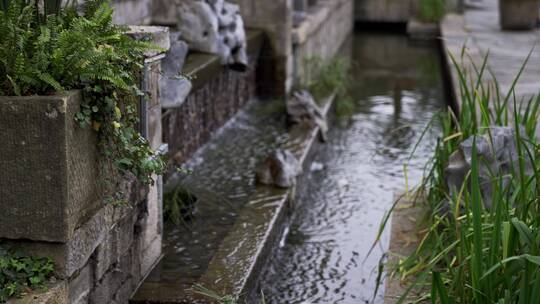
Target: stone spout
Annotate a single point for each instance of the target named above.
(216, 27)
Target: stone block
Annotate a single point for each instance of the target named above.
(116, 244)
(150, 224)
(124, 291)
(80, 285)
(87, 239)
(135, 255)
(104, 257)
(155, 136)
(123, 234)
(117, 283)
(96, 235)
(152, 83)
(150, 256)
(50, 174)
(105, 289)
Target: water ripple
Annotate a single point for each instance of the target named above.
(339, 207)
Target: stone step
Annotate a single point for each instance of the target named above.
(237, 222)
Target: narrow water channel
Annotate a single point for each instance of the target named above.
(396, 88)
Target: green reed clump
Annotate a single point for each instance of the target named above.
(431, 10)
(324, 78)
(469, 253)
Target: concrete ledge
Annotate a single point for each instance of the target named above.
(417, 29)
(404, 239)
(322, 37)
(316, 17)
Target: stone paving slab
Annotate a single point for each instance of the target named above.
(479, 29)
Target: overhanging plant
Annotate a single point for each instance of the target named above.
(46, 48)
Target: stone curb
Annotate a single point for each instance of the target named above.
(228, 271)
(455, 42)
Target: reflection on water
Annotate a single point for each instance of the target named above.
(397, 88)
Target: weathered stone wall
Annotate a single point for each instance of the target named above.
(108, 255)
(276, 64)
(101, 251)
(329, 26)
(206, 109)
(383, 10)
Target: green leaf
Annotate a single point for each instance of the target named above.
(525, 233)
(48, 79)
(15, 86)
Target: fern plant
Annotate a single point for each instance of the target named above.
(44, 53)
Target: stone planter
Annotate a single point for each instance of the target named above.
(49, 168)
(518, 14)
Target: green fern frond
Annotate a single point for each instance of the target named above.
(15, 86)
(48, 79)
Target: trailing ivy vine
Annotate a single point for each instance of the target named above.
(19, 272)
(73, 48)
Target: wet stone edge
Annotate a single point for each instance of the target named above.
(235, 268)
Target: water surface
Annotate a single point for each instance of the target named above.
(397, 87)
